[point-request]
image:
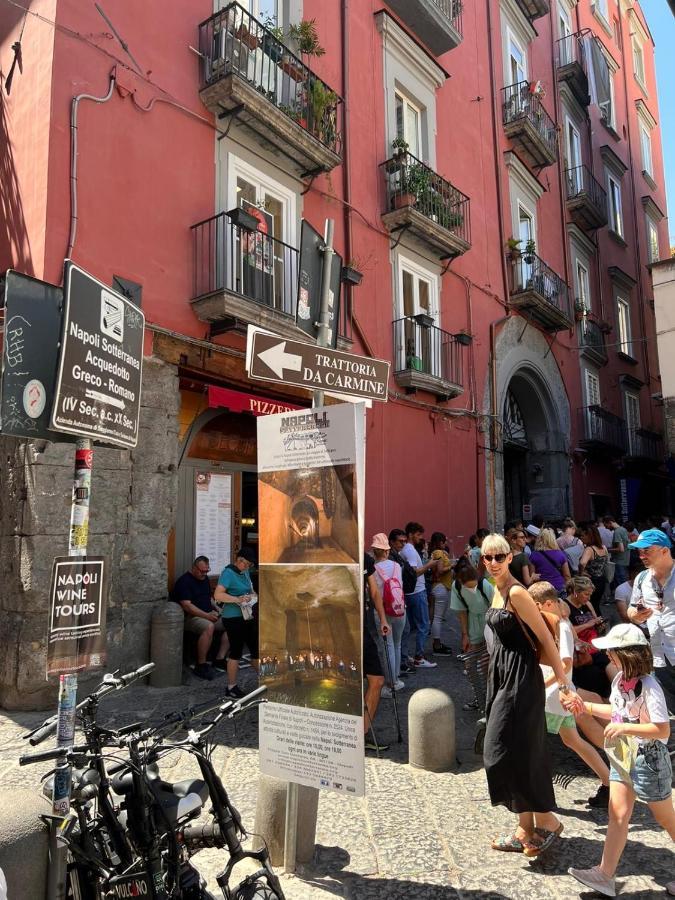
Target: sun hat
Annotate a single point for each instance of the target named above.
(380, 542)
(624, 635)
(652, 537)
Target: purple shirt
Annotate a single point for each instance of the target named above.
(548, 564)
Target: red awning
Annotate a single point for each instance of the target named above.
(238, 401)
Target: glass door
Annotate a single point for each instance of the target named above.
(565, 35)
(419, 344)
(525, 234)
(574, 159)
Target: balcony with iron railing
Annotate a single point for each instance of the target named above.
(601, 431)
(427, 358)
(586, 198)
(437, 23)
(592, 338)
(534, 9)
(243, 276)
(528, 125)
(539, 293)
(571, 64)
(644, 446)
(248, 73)
(427, 206)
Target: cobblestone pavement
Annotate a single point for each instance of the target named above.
(415, 834)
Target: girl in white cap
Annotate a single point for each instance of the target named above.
(636, 743)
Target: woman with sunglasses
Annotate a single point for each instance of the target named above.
(515, 754)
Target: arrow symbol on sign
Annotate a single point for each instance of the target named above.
(276, 359)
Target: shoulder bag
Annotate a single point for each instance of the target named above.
(552, 623)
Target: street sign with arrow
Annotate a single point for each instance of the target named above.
(273, 358)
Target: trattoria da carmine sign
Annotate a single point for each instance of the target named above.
(77, 615)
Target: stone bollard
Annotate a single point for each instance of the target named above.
(166, 645)
(431, 731)
(270, 819)
(24, 843)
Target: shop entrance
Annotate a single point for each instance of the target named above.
(217, 491)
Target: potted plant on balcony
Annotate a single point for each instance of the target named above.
(248, 38)
(399, 147)
(463, 337)
(530, 249)
(514, 248)
(273, 40)
(322, 104)
(414, 185)
(580, 310)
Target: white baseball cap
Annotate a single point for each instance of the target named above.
(624, 635)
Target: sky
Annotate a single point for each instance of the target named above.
(662, 26)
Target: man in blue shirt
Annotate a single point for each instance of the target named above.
(202, 617)
(653, 604)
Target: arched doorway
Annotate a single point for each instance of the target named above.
(534, 454)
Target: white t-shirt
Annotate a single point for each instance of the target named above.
(639, 703)
(624, 592)
(412, 556)
(566, 651)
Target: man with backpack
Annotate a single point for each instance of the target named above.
(416, 602)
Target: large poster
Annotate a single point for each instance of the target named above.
(213, 518)
(310, 486)
(76, 640)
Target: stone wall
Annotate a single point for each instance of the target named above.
(133, 504)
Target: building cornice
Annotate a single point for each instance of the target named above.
(517, 18)
(623, 279)
(416, 58)
(651, 208)
(519, 170)
(612, 161)
(581, 240)
(645, 114)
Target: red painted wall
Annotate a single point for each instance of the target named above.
(144, 177)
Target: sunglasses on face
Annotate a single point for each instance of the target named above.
(498, 557)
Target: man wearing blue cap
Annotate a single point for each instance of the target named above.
(653, 604)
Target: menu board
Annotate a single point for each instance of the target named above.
(213, 518)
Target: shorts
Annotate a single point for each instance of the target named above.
(241, 631)
(197, 625)
(371, 658)
(652, 774)
(555, 722)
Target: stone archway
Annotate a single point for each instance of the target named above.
(531, 464)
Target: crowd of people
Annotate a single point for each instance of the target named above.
(578, 624)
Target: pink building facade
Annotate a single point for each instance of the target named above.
(494, 171)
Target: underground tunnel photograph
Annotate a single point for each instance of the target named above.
(310, 636)
(311, 515)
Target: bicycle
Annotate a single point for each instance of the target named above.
(130, 833)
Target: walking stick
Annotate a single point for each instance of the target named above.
(393, 690)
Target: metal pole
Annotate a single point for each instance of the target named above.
(65, 732)
(322, 340)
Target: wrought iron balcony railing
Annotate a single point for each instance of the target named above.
(644, 444)
(422, 349)
(531, 275)
(233, 42)
(570, 50)
(592, 337)
(526, 121)
(602, 429)
(230, 259)
(586, 196)
(412, 183)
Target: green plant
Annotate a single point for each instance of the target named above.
(416, 179)
(400, 144)
(530, 247)
(513, 243)
(322, 101)
(306, 38)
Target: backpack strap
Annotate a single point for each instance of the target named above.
(481, 582)
(459, 596)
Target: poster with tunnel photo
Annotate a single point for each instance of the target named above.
(311, 488)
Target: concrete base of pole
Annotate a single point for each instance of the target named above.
(270, 819)
(166, 645)
(24, 843)
(431, 731)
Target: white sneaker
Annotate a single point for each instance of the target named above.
(400, 684)
(595, 880)
(423, 663)
(386, 693)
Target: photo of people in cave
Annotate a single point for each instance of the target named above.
(310, 636)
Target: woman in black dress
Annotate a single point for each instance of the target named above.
(516, 760)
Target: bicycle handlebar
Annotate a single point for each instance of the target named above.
(58, 752)
(110, 683)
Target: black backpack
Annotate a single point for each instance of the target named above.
(409, 575)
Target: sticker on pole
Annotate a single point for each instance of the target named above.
(98, 389)
(76, 640)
